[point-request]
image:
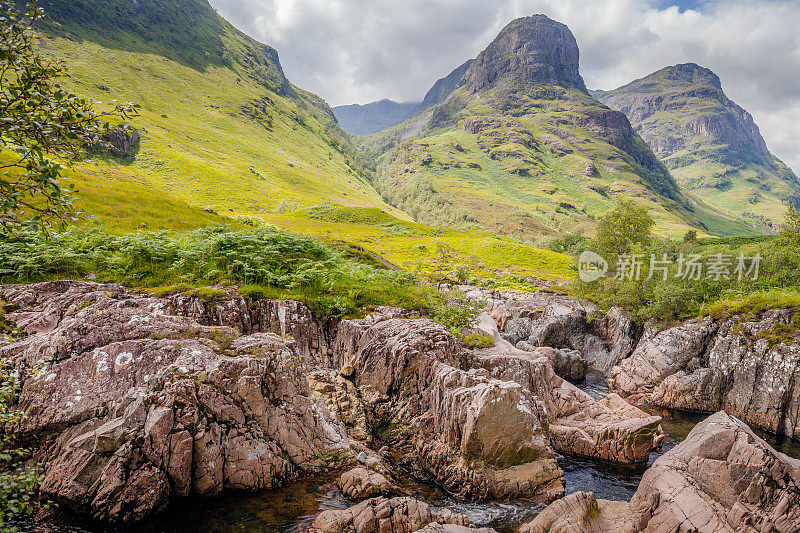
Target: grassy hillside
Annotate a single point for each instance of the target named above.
(541, 169)
(710, 144)
(228, 133)
(521, 148)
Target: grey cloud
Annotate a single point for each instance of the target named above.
(351, 51)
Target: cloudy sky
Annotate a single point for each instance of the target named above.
(357, 51)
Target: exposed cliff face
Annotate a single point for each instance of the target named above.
(749, 368)
(528, 52)
(709, 142)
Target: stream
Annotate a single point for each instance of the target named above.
(291, 509)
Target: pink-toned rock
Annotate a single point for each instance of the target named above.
(360, 483)
(581, 512)
(380, 515)
(478, 436)
(139, 403)
(610, 429)
(751, 369)
(721, 479)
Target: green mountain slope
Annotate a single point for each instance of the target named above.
(521, 148)
(710, 144)
(221, 126)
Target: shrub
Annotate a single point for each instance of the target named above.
(18, 484)
(476, 340)
(456, 311)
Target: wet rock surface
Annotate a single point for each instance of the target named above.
(722, 478)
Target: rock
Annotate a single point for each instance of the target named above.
(751, 369)
(722, 478)
(479, 437)
(360, 483)
(581, 512)
(659, 355)
(436, 527)
(529, 51)
(378, 515)
(571, 365)
(543, 319)
(121, 141)
(577, 424)
(341, 397)
(137, 403)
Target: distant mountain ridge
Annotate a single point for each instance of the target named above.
(365, 119)
(711, 144)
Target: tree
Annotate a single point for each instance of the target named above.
(790, 228)
(41, 123)
(625, 226)
(444, 257)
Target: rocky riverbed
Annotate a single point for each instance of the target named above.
(141, 404)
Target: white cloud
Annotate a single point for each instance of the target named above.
(361, 50)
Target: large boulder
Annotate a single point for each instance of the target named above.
(581, 512)
(478, 436)
(722, 478)
(577, 424)
(360, 483)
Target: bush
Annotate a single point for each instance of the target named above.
(456, 311)
(278, 263)
(476, 340)
(19, 484)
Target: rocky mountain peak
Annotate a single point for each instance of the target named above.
(690, 73)
(533, 50)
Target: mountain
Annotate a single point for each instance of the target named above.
(710, 144)
(373, 117)
(377, 116)
(221, 128)
(520, 147)
(444, 86)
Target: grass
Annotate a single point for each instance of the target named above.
(752, 305)
(542, 187)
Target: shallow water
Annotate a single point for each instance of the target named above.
(291, 509)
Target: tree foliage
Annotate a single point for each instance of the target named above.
(622, 228)
(41, 123)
